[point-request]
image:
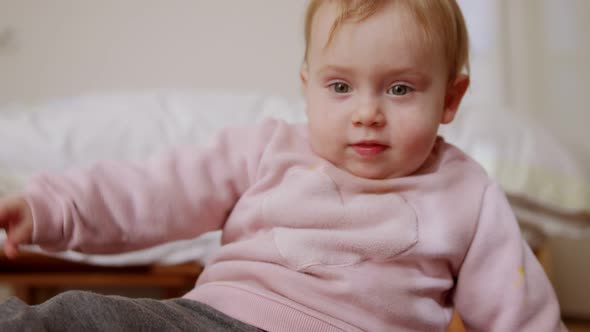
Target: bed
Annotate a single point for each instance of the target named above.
(547, 187)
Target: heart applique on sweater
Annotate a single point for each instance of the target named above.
(317, 224)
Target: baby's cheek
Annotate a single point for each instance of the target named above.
(318, 136)
(325, 144)
(417, 142)
(326, 123)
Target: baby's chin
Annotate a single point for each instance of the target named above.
(372, 173)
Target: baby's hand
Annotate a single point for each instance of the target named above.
(17, 219)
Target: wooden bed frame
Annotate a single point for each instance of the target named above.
(30, 275)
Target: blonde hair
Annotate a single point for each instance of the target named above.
(441, 22)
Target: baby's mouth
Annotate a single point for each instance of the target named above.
(369, 148)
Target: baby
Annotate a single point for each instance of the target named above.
(361, 220)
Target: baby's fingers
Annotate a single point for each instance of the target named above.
(16, 219)
(10, 210)
(10, 249)
(18, 234)
(21, 232)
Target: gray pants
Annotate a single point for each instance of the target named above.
(86, 311)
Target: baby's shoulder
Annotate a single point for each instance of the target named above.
(455, 163)
(455, 179)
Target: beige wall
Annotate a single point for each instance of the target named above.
(66, 47)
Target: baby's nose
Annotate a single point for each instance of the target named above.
(369, 114)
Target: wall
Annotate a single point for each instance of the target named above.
(66, 47)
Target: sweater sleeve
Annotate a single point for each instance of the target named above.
(501, 286)
(114, 207)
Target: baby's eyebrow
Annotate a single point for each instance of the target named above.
(409, 70)
(335, 69)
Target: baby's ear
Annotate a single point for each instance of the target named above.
(304, 75)
(455, 92)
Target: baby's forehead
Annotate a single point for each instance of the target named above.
(391, 26)
(329, 30)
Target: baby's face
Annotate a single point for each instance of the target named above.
(375, 99)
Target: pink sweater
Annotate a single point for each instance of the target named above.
(307, 246)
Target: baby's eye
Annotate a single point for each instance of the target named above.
(399, 90)
(340, 87)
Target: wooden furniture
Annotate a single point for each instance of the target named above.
(31, 274)
(456, 324)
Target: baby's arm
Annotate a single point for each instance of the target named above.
(501, 286)
(117, 206)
